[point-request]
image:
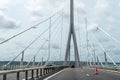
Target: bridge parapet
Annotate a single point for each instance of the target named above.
(115, 68)
(111, 68)
(36, 72)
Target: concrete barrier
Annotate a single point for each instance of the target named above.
(35, 72)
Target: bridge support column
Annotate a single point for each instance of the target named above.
(106, 63)
(21, 63)
(72, 34)
(34, 61)
(98, 63)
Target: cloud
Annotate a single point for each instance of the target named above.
(41, 8)
(99, 15)
(111, 19)
(7, 22)
(80, 8)
(55, 46)
(119, 4)
(4, 4)
(101, 8)
(2, 39)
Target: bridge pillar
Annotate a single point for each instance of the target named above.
(21, 63)
(33, 64)
(72, 34)
(106, 61)
(98, 63)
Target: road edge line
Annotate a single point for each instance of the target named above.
(53, 75)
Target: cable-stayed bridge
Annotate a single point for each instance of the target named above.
(91, 68)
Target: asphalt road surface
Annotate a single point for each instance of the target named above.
(84, 74)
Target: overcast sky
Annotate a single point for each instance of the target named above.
(18, 15)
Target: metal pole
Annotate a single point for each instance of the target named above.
(34, 61)
(21, 63)
(106, 62)
(98, 64)
(87, 41)
(61, 37)
(94, 54)
(42, 61)
(49, 41)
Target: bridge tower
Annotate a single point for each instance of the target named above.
(72, 34)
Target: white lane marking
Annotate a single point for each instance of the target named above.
(28, 78)
(87, 75)
(53, 75)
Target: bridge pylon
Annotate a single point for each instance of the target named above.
(70, 36)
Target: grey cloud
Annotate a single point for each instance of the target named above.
(55, 46)
(2, 39)
(7, 23)
(2, 9)
(37, 13)
(44, 48)
(117, 52)
(41, 8)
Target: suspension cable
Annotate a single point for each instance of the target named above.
(34, 26)
(97, 56)
(31, 43)
(54, 39)
(100, 60)
(110, 36)
(40, 47)
(103, 49)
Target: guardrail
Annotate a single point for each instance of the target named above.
(111, 68)
(39, 71)
(12, 67)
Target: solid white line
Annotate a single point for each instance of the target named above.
(28, 78)
(53, 75)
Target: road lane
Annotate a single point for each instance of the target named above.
(84, 74)
(103, 74)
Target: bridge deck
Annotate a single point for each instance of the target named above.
(84, 74)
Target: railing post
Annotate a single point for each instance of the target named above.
(18, 75)
(37, 73)
(41, 72)
(26, 75)
(32, 74)
(46, 71)
(5, 77)
(51, 70)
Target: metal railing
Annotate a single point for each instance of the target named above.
(12, 67)
(35, 72)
